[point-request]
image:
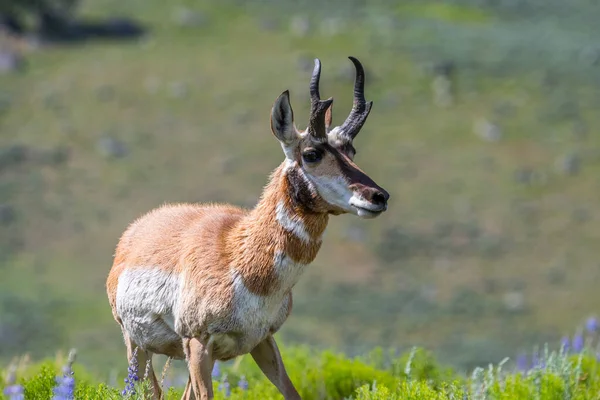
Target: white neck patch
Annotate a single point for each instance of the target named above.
(291, 223)
(287, 270)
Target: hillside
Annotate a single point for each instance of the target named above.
(490, 239)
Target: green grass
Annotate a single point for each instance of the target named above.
(378, 376)
(439, 173)
(444, 12)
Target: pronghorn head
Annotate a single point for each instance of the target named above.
(319, 160)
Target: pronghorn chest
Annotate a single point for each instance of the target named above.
(255, 316)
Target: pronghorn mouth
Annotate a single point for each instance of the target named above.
(367, 210)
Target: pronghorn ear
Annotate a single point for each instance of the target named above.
(328, 117)
(282, 119)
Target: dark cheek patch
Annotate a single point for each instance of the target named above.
(300, 192)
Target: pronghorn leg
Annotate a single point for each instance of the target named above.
(144, 362)
(200, 365)
(268, 358)
(188, 393)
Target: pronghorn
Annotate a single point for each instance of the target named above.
(208, 282)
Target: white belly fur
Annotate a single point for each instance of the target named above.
(146, 302)
(254, 317)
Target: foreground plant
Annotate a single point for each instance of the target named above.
(568, 373)
(13, 390)
(65, 389)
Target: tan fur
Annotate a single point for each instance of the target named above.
(203, 241)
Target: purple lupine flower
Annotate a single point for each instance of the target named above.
(224, 386)
(216, 372)
(522, 362)
(565, 343)
(578, 342)
(14, 392)
(243, 383)
(132, 375)
(592, 325)
(65, 389)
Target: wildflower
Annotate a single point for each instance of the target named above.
(578, 342)
(132, 376)
(12, 390)
(243, 383)
(522, 362)
(538, 360)
(216, 372)
(592, 324)
(565, 343)
(224, 386)
(65, 389)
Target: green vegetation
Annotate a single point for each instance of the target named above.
(557, 375)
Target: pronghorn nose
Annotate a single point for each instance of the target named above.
(377, 196)
(380, 198)
(372, 193)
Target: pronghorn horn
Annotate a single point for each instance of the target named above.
(360, 108)
(318, 107)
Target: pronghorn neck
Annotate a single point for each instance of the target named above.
(275, 241)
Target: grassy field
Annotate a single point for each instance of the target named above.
(558, 374)
(488, 247)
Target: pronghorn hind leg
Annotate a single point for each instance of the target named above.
(200, 365)
(144, 365)
(268, 358)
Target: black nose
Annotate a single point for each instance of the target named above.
(380, 197)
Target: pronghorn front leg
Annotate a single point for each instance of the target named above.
(200, 365)
(268, 358)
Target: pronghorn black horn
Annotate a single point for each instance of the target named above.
(360, 107)
(318, 107)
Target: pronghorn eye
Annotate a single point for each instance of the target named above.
(311, 156)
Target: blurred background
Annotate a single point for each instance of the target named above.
(484, 131)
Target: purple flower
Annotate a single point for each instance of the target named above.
(65, 389)
(132, 376)
(224, 386)
(216, 372)
(14, 392)
(243, 383)
(565, 343)
(591, 324)
(578, 342)
(522, 362)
